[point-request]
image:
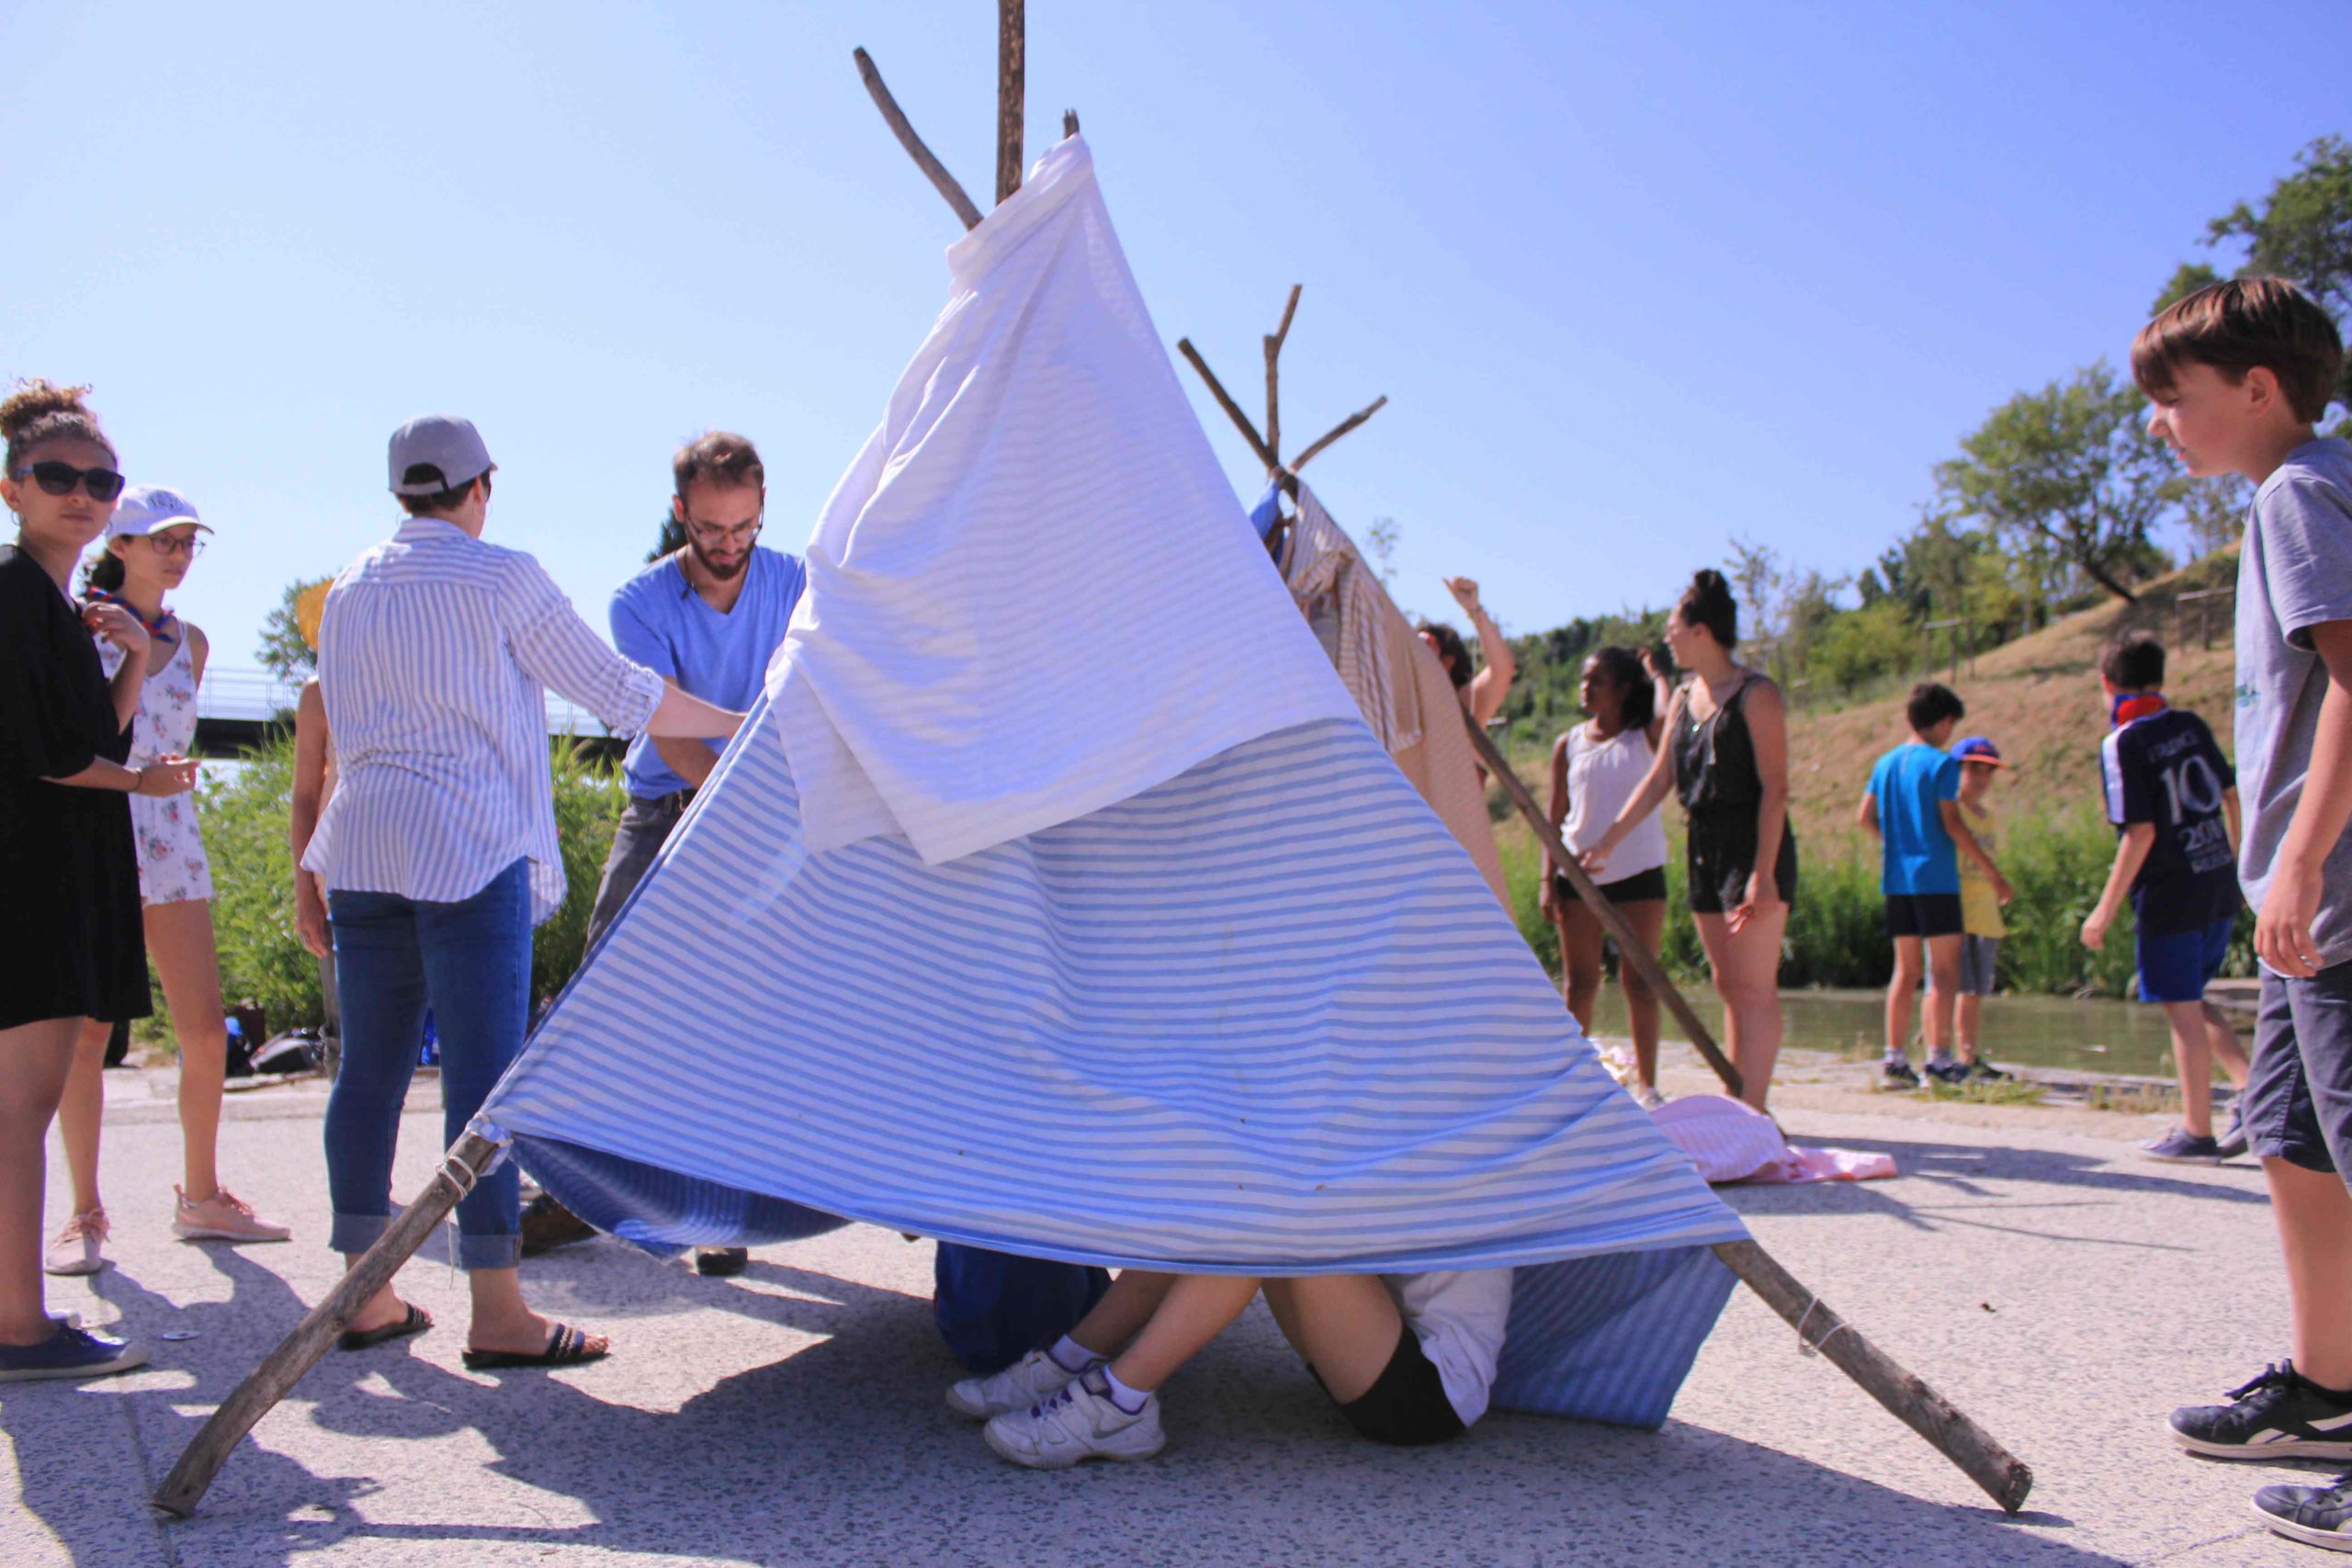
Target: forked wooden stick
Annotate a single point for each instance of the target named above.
(933, 169)
(1339, 430)
(1273, 393)
(284, 1367)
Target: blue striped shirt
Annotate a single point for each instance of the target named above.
(434, 658)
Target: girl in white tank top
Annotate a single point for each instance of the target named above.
(1596, 769)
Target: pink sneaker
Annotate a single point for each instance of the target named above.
(75, 1248)
(224, 1216)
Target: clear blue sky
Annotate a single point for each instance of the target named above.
(1635, 277)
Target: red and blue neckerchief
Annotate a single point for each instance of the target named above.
(2129, 707)
(154, 627)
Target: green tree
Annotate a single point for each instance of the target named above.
(2070, 468)
(283, 651)
(2302, 231)
(672, 540)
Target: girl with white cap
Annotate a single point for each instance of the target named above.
(151, 540)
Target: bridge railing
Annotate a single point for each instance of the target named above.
(248, 696)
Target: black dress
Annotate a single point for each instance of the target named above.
(72, 944)
(1715, 775)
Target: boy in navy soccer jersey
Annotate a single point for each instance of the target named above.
(2173, 798)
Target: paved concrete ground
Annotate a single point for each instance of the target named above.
(2063, 1292)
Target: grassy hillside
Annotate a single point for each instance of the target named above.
(2036, 698)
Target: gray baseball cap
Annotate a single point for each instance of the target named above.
(445, 441)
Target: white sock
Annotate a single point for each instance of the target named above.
(1942, 1058)
(1130, 1401)
(1894, 1056)
(1071, 1356)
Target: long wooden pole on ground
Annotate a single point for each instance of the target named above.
(276, 1377)
(1630, 948)
(1979, 1455)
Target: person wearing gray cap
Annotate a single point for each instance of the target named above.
(439, 853)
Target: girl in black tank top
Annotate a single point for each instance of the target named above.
(1730, 768)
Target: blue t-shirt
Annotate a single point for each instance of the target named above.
(2166, 770)
(1909, 783)
(660, 621)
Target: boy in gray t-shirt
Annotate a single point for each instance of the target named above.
(2239, 373)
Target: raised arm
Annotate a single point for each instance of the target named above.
(1492, 683)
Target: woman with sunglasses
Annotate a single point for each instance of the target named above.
(70, 946)
(152, 539)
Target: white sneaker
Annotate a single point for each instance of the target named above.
(1079, 1422)
(75, 1249)
(1034, 1378)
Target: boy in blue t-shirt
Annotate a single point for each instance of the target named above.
(2239, 373)
(1912, 806)
(2173, 798)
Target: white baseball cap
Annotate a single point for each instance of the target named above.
(145, 508)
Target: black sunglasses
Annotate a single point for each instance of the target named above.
(58, 479)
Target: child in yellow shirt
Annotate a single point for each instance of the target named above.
(1981, 925)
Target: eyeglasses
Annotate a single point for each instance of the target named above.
(731, 533)
(165, 545)
(58, 479)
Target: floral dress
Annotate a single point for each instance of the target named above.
(173, 867)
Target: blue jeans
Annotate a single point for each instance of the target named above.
(470, 963)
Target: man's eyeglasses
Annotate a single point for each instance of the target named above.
(58, 479)
(708, 533)
(166, 545)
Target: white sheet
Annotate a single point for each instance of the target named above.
(1033, 594)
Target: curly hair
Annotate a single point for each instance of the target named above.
(37, 412)
(1452, 651)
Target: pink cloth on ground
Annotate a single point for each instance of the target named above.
(1730, 1141)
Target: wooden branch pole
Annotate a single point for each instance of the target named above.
(1339, 430)
(1012, 71)
(933, 169)
(1630, 948)
(1980, 1456)
(1273, 394)
(2002, 1474)
(1232, 410)
(276, 1377)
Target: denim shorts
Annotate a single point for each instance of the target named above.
(2175, 966)
(1977, 955)
(2298, 1097)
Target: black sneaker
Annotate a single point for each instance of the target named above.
(1983, 1072)
(2317, 1515)
(1895, 1073)
(721, 1262)
(2281, 1415)
(1954, 1072)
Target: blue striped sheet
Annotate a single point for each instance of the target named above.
(1266, 1017)
(435, 656)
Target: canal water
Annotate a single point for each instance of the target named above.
(2097, 1036)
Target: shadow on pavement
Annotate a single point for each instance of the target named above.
(1961, 1172)
(843, 1452)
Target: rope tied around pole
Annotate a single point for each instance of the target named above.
(1812, 1346)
